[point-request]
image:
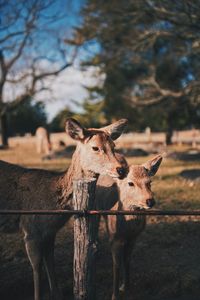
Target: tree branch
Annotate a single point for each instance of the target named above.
(19, 52)
(56, 72)
(10, 35)
(29, 25)
(3, 69)
(193, 88)
(164, 92)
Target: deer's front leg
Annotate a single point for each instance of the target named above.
(126, 261)
(117, 250)
(50, 268)
(34, 253)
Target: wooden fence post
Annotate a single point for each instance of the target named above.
(85, 246)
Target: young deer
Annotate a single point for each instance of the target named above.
(30, 189)
(43, 141)
(133, 192)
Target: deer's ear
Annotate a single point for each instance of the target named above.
(116, 129)
(152, 165)
(75, 130)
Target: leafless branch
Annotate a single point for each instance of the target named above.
(28, 28)
(163, 92)
(18, 79)
(31, 73)
(3, 67)
(11, 35)
(158, 95)
(187, 11)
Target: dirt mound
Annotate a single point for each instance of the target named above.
(67, 152)
(186, 156)
(133, 152)
(193, 174)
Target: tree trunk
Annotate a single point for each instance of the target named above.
(85, 246)
(170, 126)
(4, 130)
(169, 135)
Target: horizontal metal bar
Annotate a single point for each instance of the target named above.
(103, 212)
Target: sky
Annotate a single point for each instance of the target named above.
(68, 87)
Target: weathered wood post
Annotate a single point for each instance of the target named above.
(84, 240)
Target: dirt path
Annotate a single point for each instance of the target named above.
(165, 265)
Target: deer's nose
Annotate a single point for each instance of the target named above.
(121, 172)
(150, 202)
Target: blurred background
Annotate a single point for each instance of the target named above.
(99, 61)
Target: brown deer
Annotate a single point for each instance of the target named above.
(43, 142)
(133, 192)
(29, 189)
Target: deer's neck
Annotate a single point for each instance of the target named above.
(74, 172)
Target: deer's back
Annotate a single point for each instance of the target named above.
(28, 189)
(9, 184)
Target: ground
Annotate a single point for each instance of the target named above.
(166, 259)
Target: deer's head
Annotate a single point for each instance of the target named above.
(96, 147)
(135, 189)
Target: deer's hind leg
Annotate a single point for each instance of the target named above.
(34, 252)
(49, 264)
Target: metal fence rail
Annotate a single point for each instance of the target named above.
(104, 212)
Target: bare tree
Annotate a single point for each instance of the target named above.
(32, 48)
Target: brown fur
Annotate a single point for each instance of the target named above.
(123, 230)
(29, 189)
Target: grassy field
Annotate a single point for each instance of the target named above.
(166, 259)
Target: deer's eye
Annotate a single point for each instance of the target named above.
(95, 149)
(130, 183)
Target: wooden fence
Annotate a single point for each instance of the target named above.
(84, 232)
